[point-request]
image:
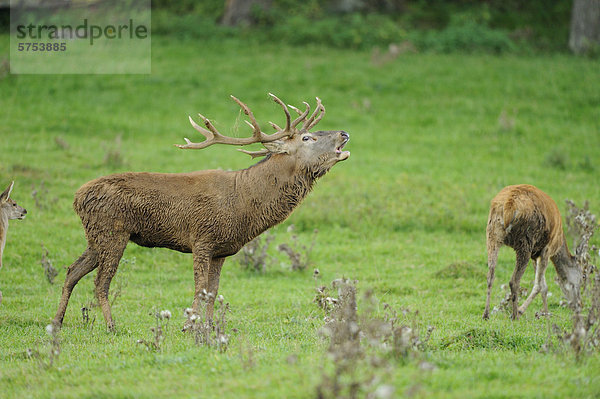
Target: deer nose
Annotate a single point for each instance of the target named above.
(345, 135)
(24, 212)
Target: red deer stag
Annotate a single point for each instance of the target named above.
(210, 213)
(527, 220)
(8, 210)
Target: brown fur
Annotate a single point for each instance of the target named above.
(9, 210)
(210, 213)
(528, 220)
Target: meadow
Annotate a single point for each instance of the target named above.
(433, 138)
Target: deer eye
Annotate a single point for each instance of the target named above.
(305, 138)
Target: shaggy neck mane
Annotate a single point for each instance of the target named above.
(271, 189)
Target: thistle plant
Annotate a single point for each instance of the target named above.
(54, 350)
(362, 344)
(49, 270)
(298, 253)
(253, 256)
(207, 332)
(583, 337)
(158, 331)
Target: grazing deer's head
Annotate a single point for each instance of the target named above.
(568, 275)
(315, 153)
(9, 208)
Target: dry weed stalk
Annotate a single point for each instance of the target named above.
(361, 345)
(584, 335)
(49, 270)
(253, 256)
(54, 351)
(40, 196)
(53, 331)
(298, 253)
(85, 317)
(158, 331)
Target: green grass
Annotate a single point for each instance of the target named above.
(405, 215)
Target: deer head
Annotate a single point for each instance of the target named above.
(314, 152)
(569, 275)
(8, 207)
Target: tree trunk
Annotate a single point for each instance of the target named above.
(585, 26)
(240, 11)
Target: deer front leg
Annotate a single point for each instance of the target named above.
(492, 260)
(201, 268)
(539, 284)
(214, 273)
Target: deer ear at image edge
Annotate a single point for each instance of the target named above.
(6, 194)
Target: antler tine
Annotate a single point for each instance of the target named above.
(285, 110)
(309, 122)
(275, 126)
(319, 116)
(302, 114)
(209, 134)
(295, 109)
(255, 154)
(257, 133)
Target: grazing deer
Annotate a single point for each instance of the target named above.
(210, 213)
(527, 220)
(9, 209)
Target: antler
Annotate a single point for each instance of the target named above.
(214, 137)
(315, 118)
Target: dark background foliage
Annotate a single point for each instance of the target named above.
(442, 26)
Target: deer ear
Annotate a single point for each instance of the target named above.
(277, 147)
(6, 194)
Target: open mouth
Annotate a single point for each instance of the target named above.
(342, 154)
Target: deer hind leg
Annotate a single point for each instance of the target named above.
(108, 262)
(539, 284)
(492, 261)
(521, 265)
(82, 266)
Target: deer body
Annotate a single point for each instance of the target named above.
(528, 220)
(9, 209)
(227, 209)
(210, 213)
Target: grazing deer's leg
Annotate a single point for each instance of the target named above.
(522, 261)
(492, 260)
(213, 283)
(108, 262)
(539, 284)
(82, 266)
